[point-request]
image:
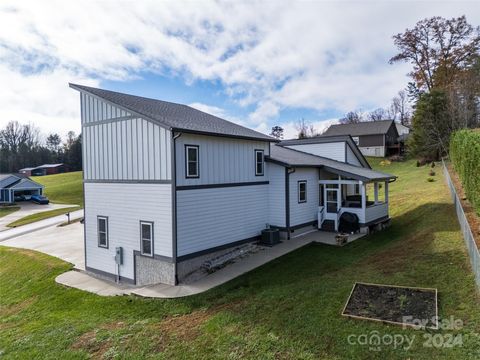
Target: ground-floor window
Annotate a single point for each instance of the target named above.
(302, 191)
(102, 229)
(146, 238)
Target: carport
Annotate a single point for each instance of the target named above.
(24, 187)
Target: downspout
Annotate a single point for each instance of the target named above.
(288, 171)
(174, 204)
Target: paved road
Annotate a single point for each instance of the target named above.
(38, 225)
(27, 208)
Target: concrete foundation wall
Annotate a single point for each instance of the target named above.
(153, 271)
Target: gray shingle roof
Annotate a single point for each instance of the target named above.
(290, 157)
(174, 116)
(329, 139)
(362, 128)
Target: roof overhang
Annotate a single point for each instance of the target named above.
(165, 126)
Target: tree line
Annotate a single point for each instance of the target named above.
(23, 145)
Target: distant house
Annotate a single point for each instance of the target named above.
(45, 169)
(373, 138)
(14, 185)
(168, 187)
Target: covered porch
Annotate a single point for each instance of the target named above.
(366, 198)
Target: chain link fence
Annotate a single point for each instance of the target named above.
(465, 227)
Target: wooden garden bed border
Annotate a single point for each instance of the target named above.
(389, 321)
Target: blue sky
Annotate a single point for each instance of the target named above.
(259, 64)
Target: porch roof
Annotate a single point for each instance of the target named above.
(294, 158)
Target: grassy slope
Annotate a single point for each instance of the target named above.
(8, 210)
(63, 188)
(289, 308)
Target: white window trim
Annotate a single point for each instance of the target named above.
(106, 231)
(150, 223)
(298, 190)
(187, 162)
(262, 162)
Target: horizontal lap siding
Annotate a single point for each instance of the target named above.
(276, 195)
(335, 151)
(125, 205)
(301, 213)
(212, 217)
(352, 158)
(222, 160)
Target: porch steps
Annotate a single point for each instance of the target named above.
(328, 225)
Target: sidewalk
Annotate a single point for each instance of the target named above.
(87, 282)
(38, 225)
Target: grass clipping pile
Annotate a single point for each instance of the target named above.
(407, 306)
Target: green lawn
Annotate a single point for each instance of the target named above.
(63, 188)
(5, 210)
(41, 216)
(289, 308)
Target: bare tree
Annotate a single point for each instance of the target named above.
(352, 117)
(305, 130)
(401, 107)
(377, 115)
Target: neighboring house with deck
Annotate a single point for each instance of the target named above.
(374, 138)
(15, 185)
(169, 187)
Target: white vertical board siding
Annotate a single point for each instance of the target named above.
(276, 195)
(127, 150)
(207, 218)
(222, 160)
(301, 213)
(117, 147)
(125, 205)
(352, 158)
(334, 150)
(93, 109)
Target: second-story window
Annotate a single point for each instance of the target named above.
(259, 165)
(191, 161)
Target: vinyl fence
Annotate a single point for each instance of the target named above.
(465, 227)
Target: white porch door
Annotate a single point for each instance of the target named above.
(331, 203)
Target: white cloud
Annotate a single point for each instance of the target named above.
(267, 55)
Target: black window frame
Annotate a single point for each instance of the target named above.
(299, 192)
(150, 223)
(102, 217)
(196, 147)
(262, 173)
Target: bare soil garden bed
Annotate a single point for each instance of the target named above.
(408, 306)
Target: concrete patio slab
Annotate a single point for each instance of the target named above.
(86, 282)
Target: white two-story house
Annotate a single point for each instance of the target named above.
(169, 186)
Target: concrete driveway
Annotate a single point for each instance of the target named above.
(28, 208)
(64, 242)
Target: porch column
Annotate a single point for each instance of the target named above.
(386, 191)
(375, 191)
(339, 197)
(364, 197)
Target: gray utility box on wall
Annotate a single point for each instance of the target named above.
(270, 237)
